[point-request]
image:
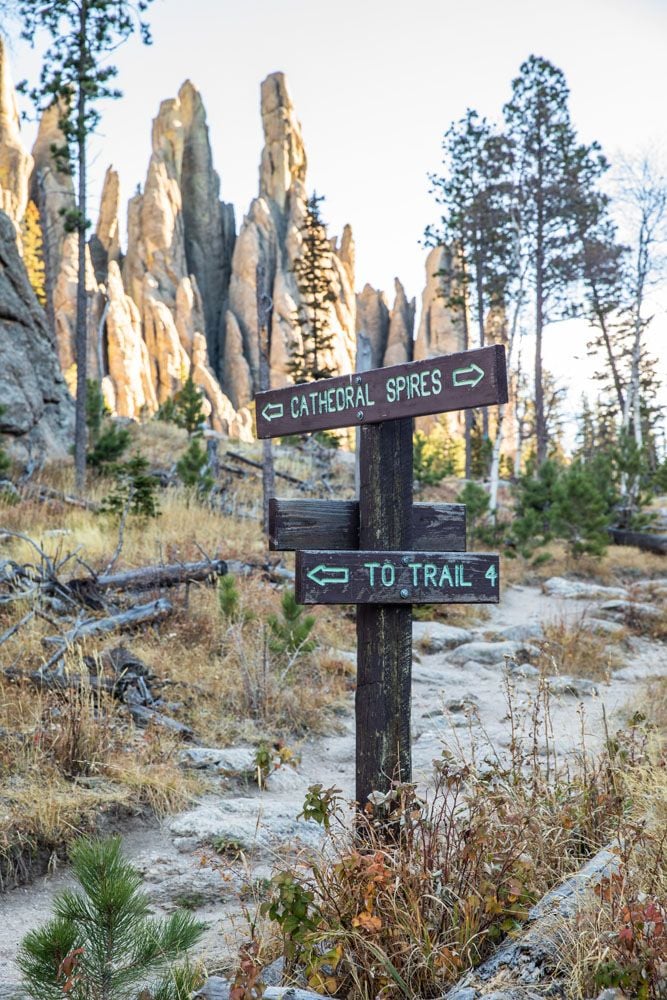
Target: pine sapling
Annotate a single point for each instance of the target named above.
(101, 942)
(289, 633)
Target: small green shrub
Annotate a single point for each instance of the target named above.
(432, 458)
(102, 942)
(476, 501)
(135, 490)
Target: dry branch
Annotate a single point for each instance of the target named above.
(141, 614)
(153, 577)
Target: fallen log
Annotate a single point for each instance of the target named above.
(258, 465)
(141, 614)
(46, 493)
(640, 540)
(144, 715)
(152, 577)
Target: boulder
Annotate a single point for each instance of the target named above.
(433, 637)
(633, 611)
(250, 822)
(579, 687)
(558, 586)
(521, 633)
(492, 652)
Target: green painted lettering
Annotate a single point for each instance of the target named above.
(415, 567)
(294, 406)
(445, 577)
(340, 398)
(390, 389)
(349, 396)
(414, 385)
(388, 574)
(303, 406)
(462, 582)
(401, 383)
(331, 400)
(360, 399)
(371, 567)
(369, 401)
(436, 381)
(429, 574)
(423, 388)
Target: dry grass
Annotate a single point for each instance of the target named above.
(434, 885)
(620, 566)
(575, 648)
(66, 759)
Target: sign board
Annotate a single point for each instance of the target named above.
(335, 577)
(417, 388)
(334, 524)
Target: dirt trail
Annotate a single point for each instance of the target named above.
(169, 853)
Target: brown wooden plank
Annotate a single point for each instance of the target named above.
(334, 524)
(384, 632)
(436, 385)
(378, 577)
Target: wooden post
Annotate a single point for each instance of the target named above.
(264, 320)
(384, 632)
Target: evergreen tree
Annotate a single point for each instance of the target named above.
(76, 74)
(477, 225)
(135, 490)
(102, 942)
(192, 468)
(579, 511)
(108, 438)
(189, 407)
(289, 633)
(33, 251)
(314, 273)
(545, 152)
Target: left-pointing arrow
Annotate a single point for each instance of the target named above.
(272, 410)
(322, 575)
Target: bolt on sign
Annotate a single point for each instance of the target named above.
(383, 552)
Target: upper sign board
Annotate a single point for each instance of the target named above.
(451, 382)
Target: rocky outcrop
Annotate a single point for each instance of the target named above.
(38, 414)
(440, 329)
(53, 193)
(270, 235)
(15, 161)
(105, 243)
(178, 227)
(388, 335)
(400, 337)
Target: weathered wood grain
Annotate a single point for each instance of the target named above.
(384, 632)
(436, 385)
(334, 524)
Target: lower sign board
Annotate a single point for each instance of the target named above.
(334, 577)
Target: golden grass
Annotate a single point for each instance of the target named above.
(620, 566)
(66, 757)
(574, 648)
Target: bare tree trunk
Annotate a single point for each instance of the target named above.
(264, 318)
(81, 347)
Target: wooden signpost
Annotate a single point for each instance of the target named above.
(383, 553)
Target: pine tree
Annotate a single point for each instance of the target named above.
(192, 468)
(477, 225)
(579, 511)
(189, 405)
(314, 273)
(33, 251)
(76, 74)
(135, 490)
(102, 942)
(545, 152)
(290, 632)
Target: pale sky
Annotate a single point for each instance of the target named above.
(375, 83)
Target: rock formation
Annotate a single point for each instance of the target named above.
(15, 161)
(388, 334)
(440, 329)
(270, 235)
(105, 243)
(38, 414)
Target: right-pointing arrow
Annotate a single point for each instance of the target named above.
(322, 575)
(471, 375)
